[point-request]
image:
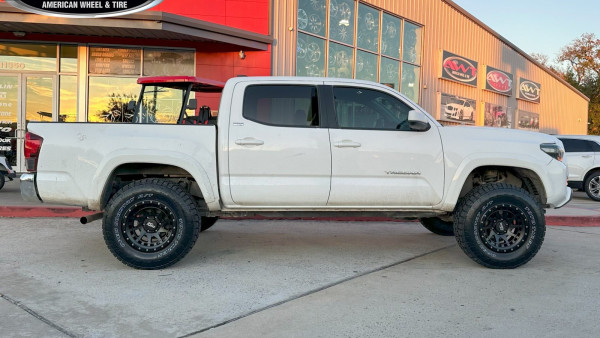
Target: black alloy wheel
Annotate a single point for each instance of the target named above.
(499, 225)
(151, 223)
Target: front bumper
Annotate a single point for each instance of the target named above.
(566, 200)
(28, 188)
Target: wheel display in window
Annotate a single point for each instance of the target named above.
(302, 19)
(313, 52)
(314, 24)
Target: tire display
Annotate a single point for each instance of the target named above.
(151, 224)
(499, 226)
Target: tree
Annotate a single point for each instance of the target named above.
(582, 59)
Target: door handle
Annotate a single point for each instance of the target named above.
(586, 156)
(346, 144)
(249, 141)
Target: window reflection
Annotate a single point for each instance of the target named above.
(68, 59)
(28, 57)
(38, 99)
(67, 110)
(109, 97)
(168, 62)
(161, 104)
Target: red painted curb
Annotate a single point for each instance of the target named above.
(72, 212)
(34, 211)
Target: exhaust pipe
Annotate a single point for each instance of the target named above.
(91, 218)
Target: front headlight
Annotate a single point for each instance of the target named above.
(554, 150)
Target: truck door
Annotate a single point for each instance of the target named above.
(279, 154)
(377, 160)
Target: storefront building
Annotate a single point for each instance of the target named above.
(432, 51)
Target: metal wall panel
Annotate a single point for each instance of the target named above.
(562, 110)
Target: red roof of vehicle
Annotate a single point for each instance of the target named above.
(199, 84)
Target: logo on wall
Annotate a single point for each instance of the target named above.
(529, 90)
(498, 81)
(458, 68)
(84, 8)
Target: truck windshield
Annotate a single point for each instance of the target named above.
(161, 104)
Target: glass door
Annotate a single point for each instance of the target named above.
(38, 103)
(9, 116)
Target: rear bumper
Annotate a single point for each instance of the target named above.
(28, 188)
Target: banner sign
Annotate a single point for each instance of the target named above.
(84, 8)
(498, 81)
(529, 90)
(458, 68)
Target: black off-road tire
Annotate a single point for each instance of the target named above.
(591, 185)
(207, 222)
(151, 224)
(438, 226)
(2, 180)
(499, 226)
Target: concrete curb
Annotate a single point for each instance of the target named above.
(72, 212)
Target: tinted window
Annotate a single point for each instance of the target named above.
(595, 146)
(360, 108)
(576, 146)
(294, 106)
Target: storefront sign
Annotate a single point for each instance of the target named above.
(498, 81)
(529, 90)
(84, 8)
(458, 68)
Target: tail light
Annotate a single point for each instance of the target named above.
(33, 145)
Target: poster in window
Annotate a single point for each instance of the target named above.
(529, 90)
(459, 69)
(116, 61)
(498, 116)
(457, 109)
(528, 121)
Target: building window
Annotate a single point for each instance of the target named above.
(67, 99)
(113, 74)
(360, 42)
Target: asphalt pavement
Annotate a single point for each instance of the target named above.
(294, 279)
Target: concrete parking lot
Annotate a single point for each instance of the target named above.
(294, 279)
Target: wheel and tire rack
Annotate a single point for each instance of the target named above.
(592, 185)
(499, 225)
(151, 224)
(438, 226)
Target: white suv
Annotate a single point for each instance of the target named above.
(583, 158)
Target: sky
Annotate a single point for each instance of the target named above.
(538, 26)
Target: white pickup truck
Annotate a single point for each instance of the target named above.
(295, 146)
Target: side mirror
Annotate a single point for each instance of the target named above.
(131, 105)
(192, 104)
(418, 121)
